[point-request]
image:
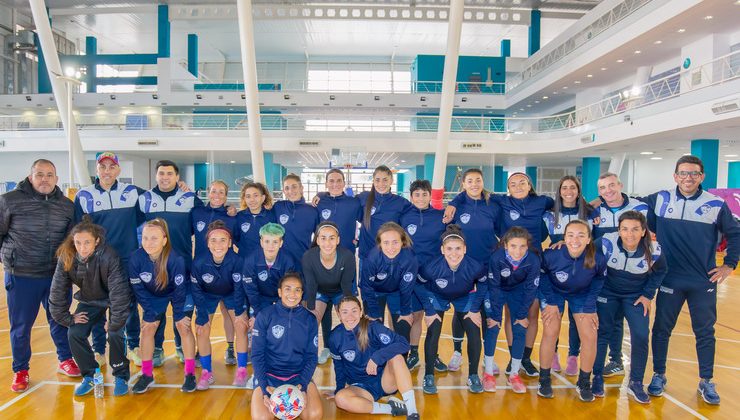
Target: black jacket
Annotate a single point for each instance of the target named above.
(102, 283)
(32, 226)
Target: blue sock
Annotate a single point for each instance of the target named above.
(241, 359)
(205, 362)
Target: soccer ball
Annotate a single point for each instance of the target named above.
(287, 402)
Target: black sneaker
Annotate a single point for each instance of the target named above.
(508, 368)
(529, 368)
(439, 365)
(413, 362)
(189, 384)
(585, 393)
(398, 408)
(142, 384)
(613, 369)
(414, 416)
(545, 389)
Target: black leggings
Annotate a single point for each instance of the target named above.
(326, 325)
(431, 343)
(401, 328)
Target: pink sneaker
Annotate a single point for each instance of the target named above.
(556, 363)
(571, 366)
(516, 384)
(489, 383)
(205, 381)
(240, 379)
(69, 368)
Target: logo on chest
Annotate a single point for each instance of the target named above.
(411, 229)
(200, 226)
(326, 214)
(208, 278)
(514, 215)
(372, 210)
(381, 276)
(349, 355)
(145, 277)
(179, 279)
(384, 338)
(278, 331)
(237, 277)
(262, 275)
(245, 227)
(408, 277)
(441, 283)
(562, 276)
(284, 219)
(465, 218)
(505, 272)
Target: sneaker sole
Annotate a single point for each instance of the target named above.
(188, 390)
(531, 375)
(436, 369)
(86, 393)
(610, 374)
(416, 366)
(705, 398)
(428, 392)
(634, 397)
(144, 390)
(79, 375)
(19, 391)
(516, 391)
(491, 390)
(545, 396)
(584, 400)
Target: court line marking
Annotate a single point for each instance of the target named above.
(33, 328)
(21, 396)
(688, 409)
(716, 338)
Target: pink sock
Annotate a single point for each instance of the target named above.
(147, 368)
(190, 366)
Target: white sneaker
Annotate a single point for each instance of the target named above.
(455, 362)
(324, 355)
(250, 383)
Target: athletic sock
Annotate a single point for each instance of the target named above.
(190, 366)
(584, 376)
(414, 350)
(544, 373)
(488, 364)
(230, 345)
(147, 368)
(527, 353)
(241, 360)
(205, 362)
(515, 365)
(457, 344)
(380, 408)
(410, 400)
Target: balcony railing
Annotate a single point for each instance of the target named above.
(720, 70)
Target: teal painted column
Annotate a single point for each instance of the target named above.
(277, 170)
(733, 175)
(531, 172)
(201, 176)
(499, 179)
(419, 171)
(428, 166)
(488, 175)
(193, 54)
(400, 182)
(91, 50)
(708, 151)
(534, 31)
(505, 48)
(590, 177)
(450, 173)
(163, 31)
(268, 169)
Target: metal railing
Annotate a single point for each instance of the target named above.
(341, 86)
(720, 70)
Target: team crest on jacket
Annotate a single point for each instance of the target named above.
(278, 331)
(145, 277)
(411, 229)
(245, 227)
(465, 218)
(316, 341)
(505, 272)
(514, 214)
(349, 355)
(262, 275)
(382, 276)
(562, 276)
(200, 226)
(326, 214)
(284, 219)
(408, 277)
(237, 277)
(537, 281)
(372, 210)
(208, 278)
(384, 338)
(179, 279)
(487, 304)
(441, 283)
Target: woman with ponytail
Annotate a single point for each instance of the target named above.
(636, 268)
(575, 274)
(157, 275)
(369, 365)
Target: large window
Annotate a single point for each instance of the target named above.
(376, 81)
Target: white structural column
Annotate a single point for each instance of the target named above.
(454, 30)
(249, 67)
(43, 29)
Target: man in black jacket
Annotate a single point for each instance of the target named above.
(34, 220)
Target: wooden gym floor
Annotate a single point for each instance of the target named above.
(51, 394)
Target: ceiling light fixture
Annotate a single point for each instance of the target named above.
(647, 153)
(620, 61)
(682, 30)
(658, 42)
(656, 158)
(638, 52)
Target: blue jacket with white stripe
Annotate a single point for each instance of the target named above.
(259, 282)
(436, 277)
(627, 275)
(381, 274)
(143, 277)
(565, 276)
(610, 215)
(503, 276)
